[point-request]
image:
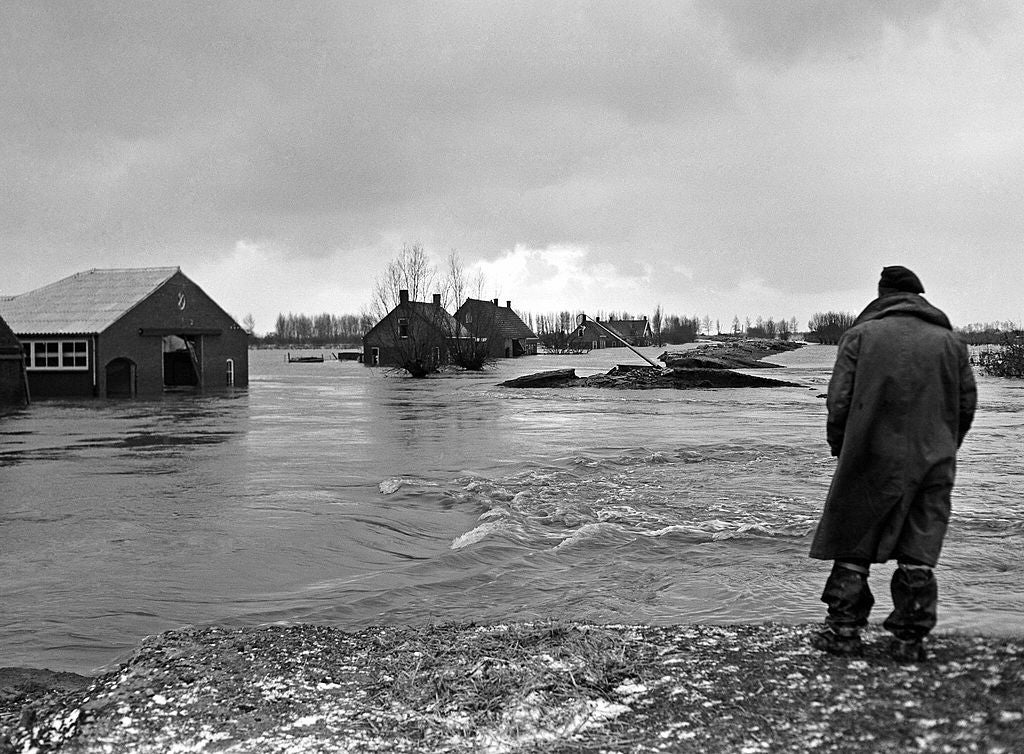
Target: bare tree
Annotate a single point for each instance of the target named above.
(827, 327)
(410, 331)
(410, 271)
(459, 284)
(478, 321)
(656, 324)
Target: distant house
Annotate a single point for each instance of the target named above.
(589, 336)
(592, 333)
(636, 332)
(13, 381)
(126, 332)
(415, 335)
(506, 335)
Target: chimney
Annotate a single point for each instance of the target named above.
(508, 304)
(437, 299)
(403, 296)
(495, 301)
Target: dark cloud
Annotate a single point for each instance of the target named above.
(211, 116)
(693, 146)
(786, 31)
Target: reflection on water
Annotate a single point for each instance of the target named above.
(336, 493)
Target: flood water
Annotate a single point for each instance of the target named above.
(338, 494)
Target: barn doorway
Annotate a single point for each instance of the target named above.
(182, 364)
(120, 374)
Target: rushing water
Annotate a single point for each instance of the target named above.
(340, 494)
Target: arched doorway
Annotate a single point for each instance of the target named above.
(121, 378)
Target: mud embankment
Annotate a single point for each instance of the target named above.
(529, 687)
(711, 365)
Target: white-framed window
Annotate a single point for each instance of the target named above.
(403, 327)
(56, 354)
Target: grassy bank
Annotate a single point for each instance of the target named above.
(551, 687)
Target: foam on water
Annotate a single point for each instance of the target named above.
(638, 493)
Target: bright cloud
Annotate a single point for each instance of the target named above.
(562, 277)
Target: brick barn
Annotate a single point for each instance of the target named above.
(126, 332)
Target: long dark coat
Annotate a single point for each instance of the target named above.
(901, 399)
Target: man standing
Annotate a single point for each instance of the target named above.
(901, 399)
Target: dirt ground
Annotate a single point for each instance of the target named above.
(525, 687)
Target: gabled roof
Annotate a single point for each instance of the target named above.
(433, 313)
(505, 323)
(9, 342)
(84, 303)
(425, 312)
(629, 328)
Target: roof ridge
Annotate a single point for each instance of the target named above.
(82, 273)
(85, 301)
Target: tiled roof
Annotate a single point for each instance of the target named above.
(629, 328)
(501, 319)
(86, 302)
(431, 313)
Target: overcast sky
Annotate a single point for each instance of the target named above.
(717, 157)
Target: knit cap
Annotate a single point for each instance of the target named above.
(899, 278)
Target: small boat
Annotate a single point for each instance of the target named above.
(305, 359)
(349, 355)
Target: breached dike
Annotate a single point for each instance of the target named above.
(707, 366)
(525, 686)
(736, 354)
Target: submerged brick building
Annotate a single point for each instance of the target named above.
(506, 335)
(126, 332)
(415, 335)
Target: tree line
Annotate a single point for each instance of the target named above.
(324, 329)
(989, 333)
(316, 331)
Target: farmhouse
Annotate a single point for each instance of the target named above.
(13, 383)
(415, 335)
(507, 336)
(594, 333)
(125, 333)
(636, 332)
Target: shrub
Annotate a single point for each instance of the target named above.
(1005, 361)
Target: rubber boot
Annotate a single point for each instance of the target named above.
(915, 599)
(849, 602)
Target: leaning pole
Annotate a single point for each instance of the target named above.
(582, 318)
